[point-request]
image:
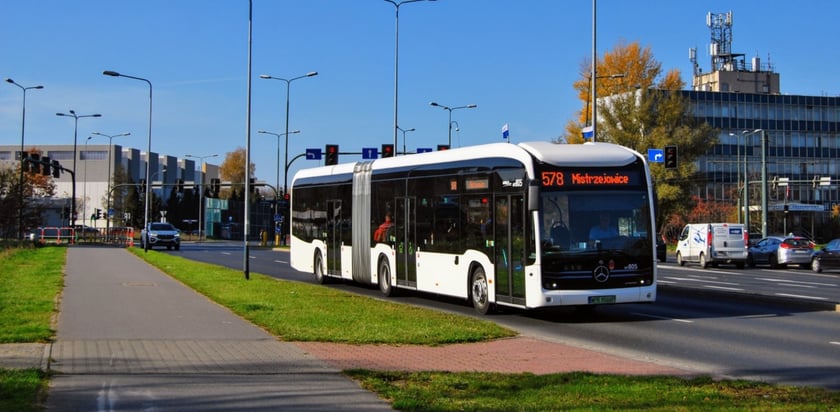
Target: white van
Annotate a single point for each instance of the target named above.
(713, 243)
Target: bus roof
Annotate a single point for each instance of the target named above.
(587, 154)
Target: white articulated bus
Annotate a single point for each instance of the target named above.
(498, 224)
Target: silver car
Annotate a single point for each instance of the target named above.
(161, 234)
(780, 251)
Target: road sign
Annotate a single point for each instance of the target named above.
(656, 156)
(370, 153)
(313, 154)
(424, 149)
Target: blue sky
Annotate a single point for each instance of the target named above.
(516, 60)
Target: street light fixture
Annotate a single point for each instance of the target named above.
(22, 127)
(148, 151)
(286, 165)
(201, 190)
(108, 186)
(288, 87)
(450, 109)
(397, 5)
(76, 118)
(404, 131)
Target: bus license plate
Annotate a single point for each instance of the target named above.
(601, 300)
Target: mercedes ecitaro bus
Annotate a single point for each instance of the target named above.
(526, 225)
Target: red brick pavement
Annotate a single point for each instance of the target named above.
(513, 355)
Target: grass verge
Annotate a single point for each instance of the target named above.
(30, 281)
(22, 389)
(297, 311)
(440, 391)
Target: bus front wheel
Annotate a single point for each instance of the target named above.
(479, 292)
(319, 269)
(385, 278)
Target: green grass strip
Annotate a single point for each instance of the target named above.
(296, 311)
(30, 281)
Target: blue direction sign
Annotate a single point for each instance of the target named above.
(424, 149)
(370, 153)
(313, 154)
(656, 156)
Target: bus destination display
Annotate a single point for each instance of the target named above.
(573, 178)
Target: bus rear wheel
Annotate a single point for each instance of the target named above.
(318, 269)
(385, 278)
(479, 292)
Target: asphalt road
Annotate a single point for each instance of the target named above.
(762, 324)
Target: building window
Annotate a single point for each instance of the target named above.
(93, 155)
(61, 154)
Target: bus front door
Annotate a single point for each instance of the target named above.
(509, 218)
(334, 221)
(406, 233)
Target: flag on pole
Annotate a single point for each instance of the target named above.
(505, 132)
(588, 132)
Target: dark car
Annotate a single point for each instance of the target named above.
(780, 251)
(826, 258)
(661, 250)
(161, 234)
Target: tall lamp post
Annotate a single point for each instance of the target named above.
(22, 127)
(201, 190)
(148, 151)
(108, 186)
(450, 109)
(285, 173)
(84, 190)
(404, 131)
(397, 5)
(764, 202)
(76, 118)
(288, 87)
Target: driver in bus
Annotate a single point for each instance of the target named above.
(604, 229)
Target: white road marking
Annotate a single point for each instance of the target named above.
(788, 281)
(801, 296)
(647, 315)
(834, 343)
(280, 261)
(703, 280)
(724, 288)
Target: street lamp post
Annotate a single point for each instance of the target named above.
(201, 190)
(84, 190)
(404, 131)
(397, 5)
(22, 127)
(108, 186)
(76, 118)
(285, 173)
(288, 87)
(450, 109)
(764, 202)
(148, 151)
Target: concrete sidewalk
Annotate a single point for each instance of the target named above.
(130, 337)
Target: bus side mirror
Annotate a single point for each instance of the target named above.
(533, 197)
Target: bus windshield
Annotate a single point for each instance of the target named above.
(586, 221)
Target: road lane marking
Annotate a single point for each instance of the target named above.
(648, 315)
(703, 280)
(724, 288)
(789, 295)
(834, 343)
(280, 261)
(797, 282)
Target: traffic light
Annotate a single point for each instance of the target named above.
(670, 157)
(332, 155)
(98, 214)
(443, 147)
(56, 169)
(24, 162)
(251, 187)
(180, 185)
(35, 163)
(45, 169)
(215, 186)
(142, 185)
(387, 150)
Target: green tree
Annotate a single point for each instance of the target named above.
(643, 110)
(36, 187)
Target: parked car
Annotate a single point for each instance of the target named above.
(161, 234)
(661, 250)
(826, 258)
(780, 251)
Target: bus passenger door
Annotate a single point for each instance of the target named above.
(509, 227)
(334, 221)
(406, 242)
